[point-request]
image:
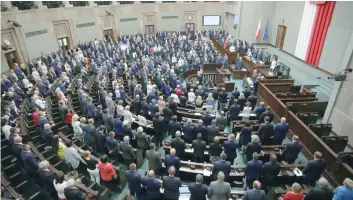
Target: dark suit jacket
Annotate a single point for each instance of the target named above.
(211, 132)
(73, 193)
(199, 147)
(207, 119)
(167, 114)
(264, 114)
(173, 127)
(173, 107)
(46, 178)
(254, 195)
(171, 187)
(179, 145)
(197, 191)
(189, 132)
(252, 148)
(108, 121)
(231, 148)
(234, 111)
(221, 166)
(253, 169)
(281, 130)
(48, 136)
(265, 131)
(215, 149)
(29, 161)
(270, 171)
(201, 129)
(291, 150)
(319, 193)
(127, 150)
(172, 160)
(16, 151)
(134, 180)
(313, 169)
(142, 140)
(152, 187)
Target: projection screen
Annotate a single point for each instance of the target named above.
(211, 20)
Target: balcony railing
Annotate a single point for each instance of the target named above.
(103, 3)
(53, 4)
(79, 3)
(145, 2)
(125, 2)
(24, 5)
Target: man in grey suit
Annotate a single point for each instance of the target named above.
(108, 120)
(256, 193)
(154, 159)
(219, 190)
(127, 150)
(171, 185)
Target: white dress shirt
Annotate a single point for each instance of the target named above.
(60, 189)
(191, 96)
(246, 111)
(6, 130)
(128, 116)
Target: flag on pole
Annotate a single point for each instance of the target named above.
(257, 36)
(266, 31)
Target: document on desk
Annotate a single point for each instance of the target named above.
(197, 114)
(189, 150)
(297, 172)
(206, 172)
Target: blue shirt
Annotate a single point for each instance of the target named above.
(343, 193)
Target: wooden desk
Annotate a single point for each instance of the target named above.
(232, 56)
(222, 74)
(251, 65)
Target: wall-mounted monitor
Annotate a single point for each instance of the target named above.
(211, 20)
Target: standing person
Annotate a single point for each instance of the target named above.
(58, 146)
(245, 135)
(73, 158)
(230, 148)
(172, 160)
(281, 130)
(171, 185)
(60, 184)
(142, 140)
(134, 180)
(314, 168)
(256, 193)
(344, 192)
(92, 167)
(107, 172)
(199, 147)
(252, 170)
(292, 150)
(72, 192)
(222, 166)
(219, 189)
(215, 150)
(29, 161)
(246, 111)
(198, 191)
(270, 172)
(154, 159)
(266, 132)
(253, 146)
(152, 186)
(295, 194)
(321, 191)
(46, 179)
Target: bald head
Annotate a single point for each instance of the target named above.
(26, 147)
(257, 185)
(220, 176)
(132, 167)
(171, 171)
(283, 120)
(150, 174)
(17, 139)
(172, 151)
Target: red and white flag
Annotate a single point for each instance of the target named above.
(257, 36)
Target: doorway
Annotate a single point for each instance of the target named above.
(64, 43)
(12, 58)
(190, 27)
(149, 28)
(108, 33)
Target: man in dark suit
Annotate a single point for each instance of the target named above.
(112, 145)
(171, 185)
(268, 113)
(108, 120)
(198, 191)
(72, 192)
(246, 92)
(127, 150)
(48, 134)
(134, 180)
(234, 111)
(270, 171)
(167, 115)
(29, 161)
(172, 160)
(321, 191)
(259, 110)
(91, 109)
(230, 148)
(292, 150)
(281, 130)
(211, 132)
(173, 106)
(174, 126)
(152, 186)
(17, 149)
(142, 140)
(223, 96)
(235, 93)
(266, 132)
(200, 128)
(199, 147)
(42, 121)
(256, 193)
(189, 131)
(222, 166)
(314, 168)
(101, 139)
(207, 118)
(46, 179)
(158, 124)
(179, 145)
(253, 170)
(252, 99)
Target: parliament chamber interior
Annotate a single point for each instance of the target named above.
(159, 100)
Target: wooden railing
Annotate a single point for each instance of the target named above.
(336, 171)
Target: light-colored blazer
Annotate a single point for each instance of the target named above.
(219, 190)
(72, 157)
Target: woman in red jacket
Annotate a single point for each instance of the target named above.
(35, 116)
(295, 194)
(68, 117)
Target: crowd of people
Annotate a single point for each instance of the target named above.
(106, 124)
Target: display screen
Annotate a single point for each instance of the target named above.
(211, 20)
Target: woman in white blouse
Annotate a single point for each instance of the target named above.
(246, 111)
(60, 184)
(76, 125)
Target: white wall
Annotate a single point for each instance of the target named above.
(251, 11)
(338, 35)
(88, 33)
(291, 12)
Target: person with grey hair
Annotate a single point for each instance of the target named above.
(110, 103)
(221, 121)
(256, 193)
(200, 128)
(270, 171)
(253, 170)
(179, 145)
(321, 191)
(189, 131)
(266, 132)
(142, 140)
(174, 126)
(219, 189)
(208, 119)
(127, 151)
(253, 146)
(108, 120)
(212, 131)
(72, 192)
(46, 179)
(136, 105)
(171, 185)
(222, 166)
(198, 191)
(231, 147)
(127, 115)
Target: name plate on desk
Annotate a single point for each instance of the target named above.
(297, 172)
